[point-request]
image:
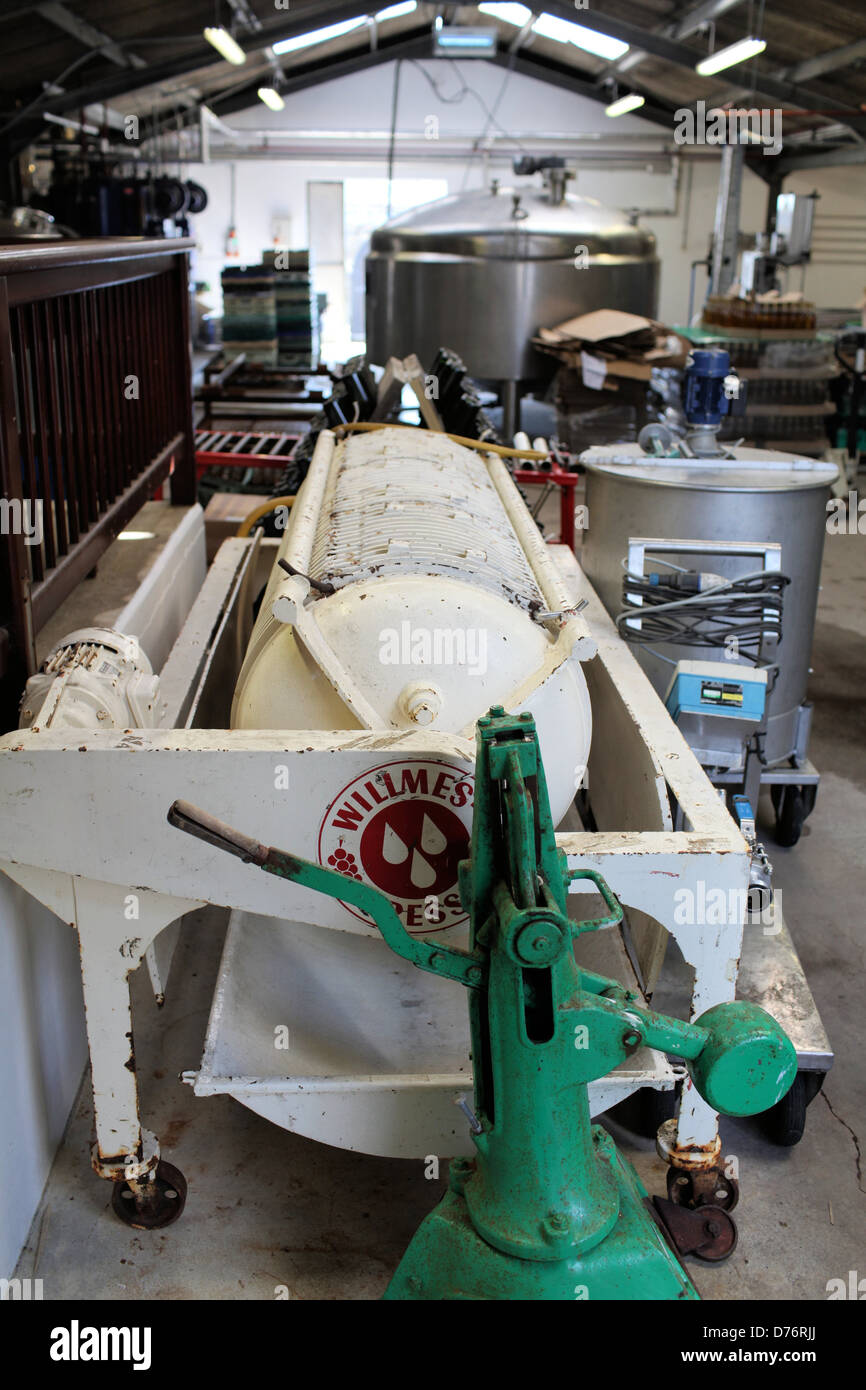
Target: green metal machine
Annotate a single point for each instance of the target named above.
(547, 1209)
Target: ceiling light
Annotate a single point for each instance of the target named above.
(395, 11)
(453, 41)
(271, 97)
(563, 31)
(739, 52)
(225, 45)
(630, 102)
(333, 31)
(509, 14)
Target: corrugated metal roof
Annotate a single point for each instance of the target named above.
(60, 57)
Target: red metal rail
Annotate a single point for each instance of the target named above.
(242, 449)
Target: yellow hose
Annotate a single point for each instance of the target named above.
(258, 512)
(478, 444)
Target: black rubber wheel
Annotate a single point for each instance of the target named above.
(785, 1121)
(197, 197)
(791, 812)
(170, 196)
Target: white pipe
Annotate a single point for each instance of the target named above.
(298, 546)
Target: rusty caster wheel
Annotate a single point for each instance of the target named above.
(702, 1188)
(708, 1233)
(162, 1203)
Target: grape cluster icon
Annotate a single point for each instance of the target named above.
(344, 863)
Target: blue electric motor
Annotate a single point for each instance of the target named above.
(710, 389)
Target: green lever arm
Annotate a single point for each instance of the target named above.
(738, 1057)
(449, 961)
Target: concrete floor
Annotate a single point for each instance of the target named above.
(268, 1210)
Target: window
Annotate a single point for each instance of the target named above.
(361, 207)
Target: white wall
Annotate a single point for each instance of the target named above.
(267, 189)
(43, 1051)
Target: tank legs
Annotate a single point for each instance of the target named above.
(510, 410)
(115, 928)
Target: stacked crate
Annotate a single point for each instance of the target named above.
(297, 319)
(250, 313)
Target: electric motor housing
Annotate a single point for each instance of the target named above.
(94, 679)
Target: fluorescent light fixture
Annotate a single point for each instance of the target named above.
(395, 11)
(563, 31)
(630, 102)
(453, 41)
(225, 45)
(509, 14)
(739, 52)
(271, 97)
(333, 31)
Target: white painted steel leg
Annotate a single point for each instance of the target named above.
(115, 928)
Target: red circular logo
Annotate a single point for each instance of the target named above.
(404, 827)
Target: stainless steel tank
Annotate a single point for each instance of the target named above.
(759, 496)
(481, 272)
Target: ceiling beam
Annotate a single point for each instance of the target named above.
(11, 9)
(563, 75)
(659, 45)
(827, 62)
(787, 93)
(693, 20)
(300, 20)
(85, 33)
(817, 158)
(417, 44)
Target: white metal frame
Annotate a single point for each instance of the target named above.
(86, 833)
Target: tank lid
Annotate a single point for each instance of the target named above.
(750, 470)
(514, 222)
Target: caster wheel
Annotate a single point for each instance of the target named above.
(695, 1190)
(163, 1206)
(786, 1120)
(792, 805)
(720, 1236)
(708, 1233)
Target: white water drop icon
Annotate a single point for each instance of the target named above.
(433, 842)
(393, 849)
(421, 874)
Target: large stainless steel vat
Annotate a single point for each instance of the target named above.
(759, 497)
(481, 272)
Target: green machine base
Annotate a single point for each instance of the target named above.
(448, 1259)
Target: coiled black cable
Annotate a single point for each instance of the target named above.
(683, 610)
